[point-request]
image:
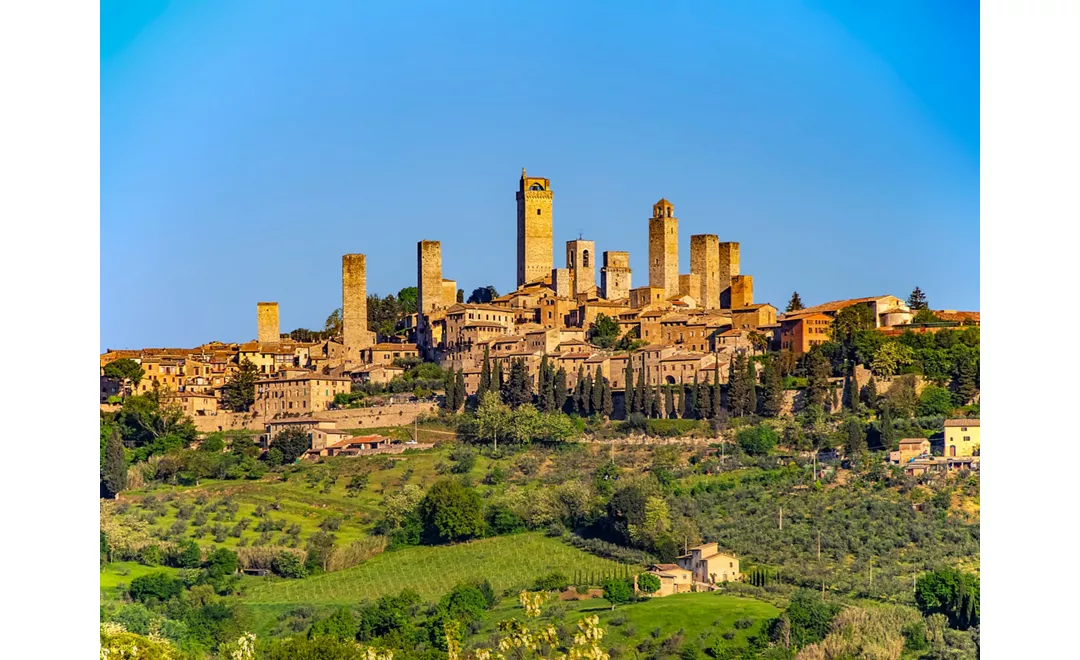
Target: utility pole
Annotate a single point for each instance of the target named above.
(871, 573)
(781, 518)
(819, 545)
(815, 464)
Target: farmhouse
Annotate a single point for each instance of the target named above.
(909, 449)
(673, 579)
(709, 565)
(961, 437)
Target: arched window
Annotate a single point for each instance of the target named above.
(585, 258)
(536, 186)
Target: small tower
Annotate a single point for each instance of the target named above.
(581, 262)
(535, 247)
(354, 317)
(615, 276)
(664, 248)
(705, 262)
(729, 269)
(269, 332)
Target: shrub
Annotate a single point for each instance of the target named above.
(157, 585)
(743, 624)
(222, 562)
(501, 519)
(671, 428)
(331, 524)
(288, 565)
(551, 582)
(150, 555)
(757, 440)
(648, 583)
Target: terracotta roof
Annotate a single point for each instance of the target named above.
(837, 305)
(952, 315)
(961, 422)
(751, 308)
(666, 567)
(574, 356)
(387, 346)
(683, 357)
(913, 441)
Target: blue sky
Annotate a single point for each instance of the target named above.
(245, 146)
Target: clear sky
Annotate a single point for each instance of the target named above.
(245, 146)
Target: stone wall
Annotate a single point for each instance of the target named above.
(397, 414)
(269, 332)
(705, 262)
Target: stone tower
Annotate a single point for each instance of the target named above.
(742, 291)
(664, 249)
(705, 262)
(615, 276)
(690, 285)
(535, 247)
(429, 287)
(729, 268)
(354, 317)
(581, 262)
(269, 332)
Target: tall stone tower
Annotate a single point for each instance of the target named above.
(615, 276)
(705, 262)
(429, 294)
(581, 262)
(269, 332)
(742, 291)
(535, 246)
(354, 317)
(729, 268)
(664, 249)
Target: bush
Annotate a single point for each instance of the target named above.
(150, 555)
(157, 585)
(551, 582)
(648, 583)
(758, 440)
(288, 565)
(671, 428)
(743, 624)
(222, 562)
(501, 519)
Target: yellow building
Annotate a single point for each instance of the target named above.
(961, 437)
(709, 565)
(909, 449)
(297, 392)
(673, 579)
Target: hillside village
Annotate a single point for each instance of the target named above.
(430, 457)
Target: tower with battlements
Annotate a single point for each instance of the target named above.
(664, 248)
(535, 244)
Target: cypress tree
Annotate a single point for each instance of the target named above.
(578, 386)
(639, 391)
(114, 471)
(751, 387)
(717, 401)
(585, 399)
(646, 401)
(736, 386)
(485, 375)
(459, 389)
(773, 392)
(851, 392)
(596, 403)
(704, 404)
(542, 384)
(448, 389)
(682, 401)
(606, 405)
(658, 403)
(870, 395)
(669, 401)
(497, 379)
(886, 428)
(559, 389)
(695, 402)
(628, 384)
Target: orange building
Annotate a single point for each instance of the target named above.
(800, 332)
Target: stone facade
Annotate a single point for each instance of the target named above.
(742, 291)
(581, 262)
(729, 268)
(269, 331)
(449, 293)
(429, 292)
(690, 285)
(615, 276)
(664, 248)
(354, 315)
(705, 262)
(535, 247)
(562, 282)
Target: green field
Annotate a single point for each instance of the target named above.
(123, 572)
(508, 562)
(702, 617)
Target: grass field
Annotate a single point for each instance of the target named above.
(123, 572)
(508, 562)
(702, 617)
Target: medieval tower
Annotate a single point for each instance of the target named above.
(535, 245)
(664, 249)
(354, 317)
(729, 268)
(429, 280)
(615, 276)
(742, 291)
(581, 262)
(705, 262)
(269, 332)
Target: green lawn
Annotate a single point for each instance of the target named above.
(123, 572)
(703, 618)
(508, 562)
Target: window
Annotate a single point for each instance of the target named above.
(537, 211)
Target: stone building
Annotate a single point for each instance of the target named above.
(429, 291)
(664, 249)
(269, 331)
(534, 217)
(581, 262)
(729, 268)
(705, 263)
(615, 276)
(742, 291)
(297, 391)
(354, 314)
(690, 287)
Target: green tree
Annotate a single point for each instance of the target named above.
(657, 399)
(810, 617)
(483, 295)
(492, 418)
(757, 440)
(114, 470)
(125, 369)
(604, 331)
(870, 393)
(560, 390)
(451, 512)
(292, 442)
(751, 387)
(669, 401)
(682, 401)
(795, 304)
(917, 300)
(239, 393)
(596, 402)
(334, 324)
(851, 392)
(340, 626)
(952, 593)
(459, 388)
(407, 298)
(934, 402)
(926, 316)
(855, 441)
(886, 428)
(817, 379)
(497, 378)
(518, 388)
(485, 375)
(772, 400)
(617, 591)
(585, 394)
(890, 357)
(847, 324)
(704, 403)
(222, 562)
(628, 381)
(648, 583)
(965, 377)
(606, 404)
(460, 295)
(639, 389)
